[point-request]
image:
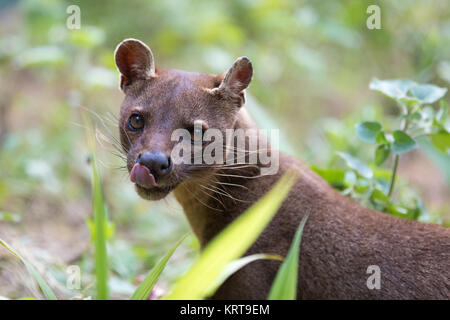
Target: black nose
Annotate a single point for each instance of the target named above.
(157, 162)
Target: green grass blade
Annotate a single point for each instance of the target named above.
(145, 287)
(100, 219)
(225, 247)
(45, 288)
(101, 257)
(284, 286)
(235, 265)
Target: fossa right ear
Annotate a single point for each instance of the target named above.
(236, 79)
(134, 59)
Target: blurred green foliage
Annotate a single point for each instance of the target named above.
(313, 64)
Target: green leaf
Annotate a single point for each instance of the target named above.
(381, 154)
(238, 264)
(46, 290)
(196, 283)
(361, 186)
(145, 287)
(427, 93)
(415, 116)
(356, 165)
(395, 89)
(379, 195)
(402, 211)
(101, 258)
(441, 141)
(402, 142)
(381, 138)
(284, 286)
(335, 177)
(367, 131)
(408, 92)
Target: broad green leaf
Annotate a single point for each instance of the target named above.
(417, 116)
(367, 131)
(334, 177)
(362, 185)
(46, 290)
(402, 211)
(238, 264)
(381, 154)
(408, 92)
(381, 138)
(356, 165)
(381, 173)
(402, 142)
(395, 89)
(379, 195)
(145, 287)
(284, 286)
(441, 141)
(196, 283)
(427, 93)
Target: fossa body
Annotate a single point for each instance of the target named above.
(341, 238)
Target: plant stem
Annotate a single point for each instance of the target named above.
(394, 173)
(394, 170)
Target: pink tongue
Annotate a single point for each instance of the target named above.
(142, 176)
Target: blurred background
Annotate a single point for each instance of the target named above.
(313, 62)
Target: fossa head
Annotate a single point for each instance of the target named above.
(158, 101)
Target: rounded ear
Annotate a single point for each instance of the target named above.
(238, 76)
(134, 59)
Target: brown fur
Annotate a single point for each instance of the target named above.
(341, 238)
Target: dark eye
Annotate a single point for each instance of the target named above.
(136, 122)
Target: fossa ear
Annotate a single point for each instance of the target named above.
(236, 79)
(134, 59)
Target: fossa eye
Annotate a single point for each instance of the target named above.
(136, 122)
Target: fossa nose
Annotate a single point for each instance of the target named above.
(151, 166)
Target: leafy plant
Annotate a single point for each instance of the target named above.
(417, 118)
(372, 184)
